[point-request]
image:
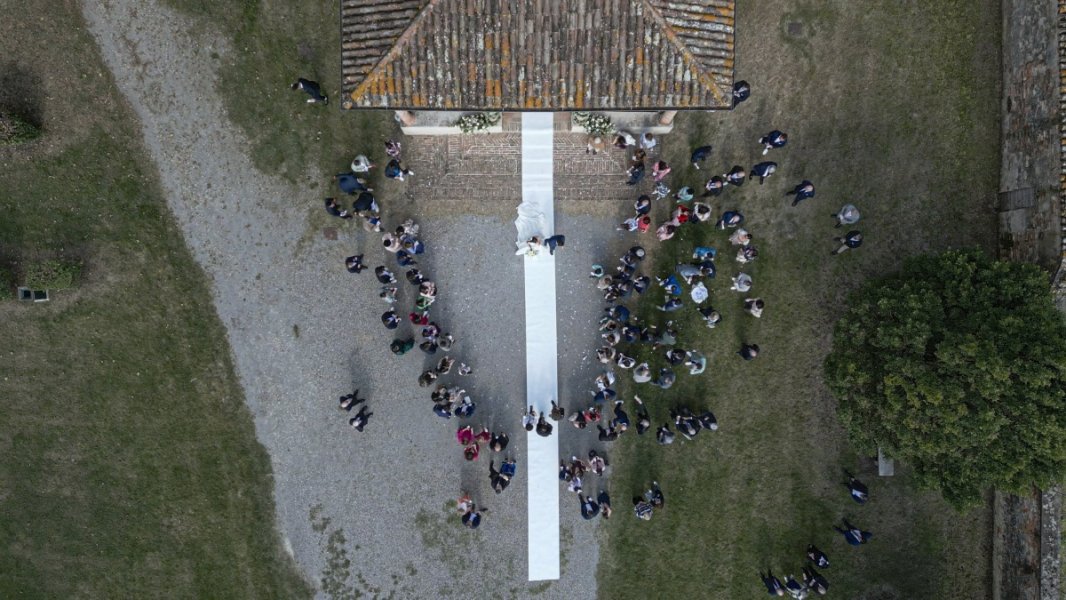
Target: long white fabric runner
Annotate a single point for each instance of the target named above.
(536, 216)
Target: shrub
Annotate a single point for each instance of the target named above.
(14, 130)
(51, 274)
(7, 284)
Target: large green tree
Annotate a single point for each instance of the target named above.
(956, 365)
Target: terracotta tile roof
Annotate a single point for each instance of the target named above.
(537, 54)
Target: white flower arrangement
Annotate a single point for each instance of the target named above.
(594, 123)
(476, 122)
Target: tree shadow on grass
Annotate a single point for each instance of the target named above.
(20, 93)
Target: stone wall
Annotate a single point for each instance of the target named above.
(1031, 171)
(1028, 535)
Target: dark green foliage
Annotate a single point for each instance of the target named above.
(7, 284)
(14, 130)
(957, 366)
(51, 274)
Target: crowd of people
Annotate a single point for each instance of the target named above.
(687, 284)
(449, 397)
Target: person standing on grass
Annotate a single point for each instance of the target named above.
(359, 421)
(850, 241)
(763, 170)
(847, 215)
(852, 534)
(794, 588)
(741, 92)
(740, 237)
(742, 283)
(642, 509)
(605, 504)
(349, 183)
(818, 557)
(707, 421)
(715, 185)
(699, 155)
(643, 419)
(730, 219)
(814, 581)
(736, 176)
(858, 490)
(334, 209)
(654, 495)
(664, 436)
(312, 89)
(803, 191)
(710, 316)
(749, 351)
(754, 306)
(772, 583)
(774, 139)
(361, 164)
(365, 204)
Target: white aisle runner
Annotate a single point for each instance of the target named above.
(542, 377)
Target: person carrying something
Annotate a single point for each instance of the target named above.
(774, 139)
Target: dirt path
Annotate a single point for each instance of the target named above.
(360, 513)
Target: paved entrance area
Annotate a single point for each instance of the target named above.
(481, 172)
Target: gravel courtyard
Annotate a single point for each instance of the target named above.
(366, 513)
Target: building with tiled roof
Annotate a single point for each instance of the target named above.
(557, 55)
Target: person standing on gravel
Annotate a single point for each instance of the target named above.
(359, 421)
(312, 89)
(589, 507)
(354, 264)
(471, 518)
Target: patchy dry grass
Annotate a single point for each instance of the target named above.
(131, 467)
(892, 107)
(275, 42)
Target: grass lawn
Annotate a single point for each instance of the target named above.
(893, 107)
(275, 42)
(131, 468)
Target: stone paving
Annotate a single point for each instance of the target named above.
(483, 172)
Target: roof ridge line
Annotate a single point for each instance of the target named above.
(690, 58)
(388, 57)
